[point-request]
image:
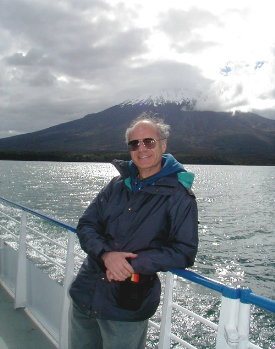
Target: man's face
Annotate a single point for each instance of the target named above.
(148, 161)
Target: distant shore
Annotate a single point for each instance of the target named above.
(106, 156)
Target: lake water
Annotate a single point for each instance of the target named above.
(236, 213)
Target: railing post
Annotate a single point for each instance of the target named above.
(21, 272)
(69, 274)
(165, 327)
(227, 335)
(244, 320)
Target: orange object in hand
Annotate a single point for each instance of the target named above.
(135, 278)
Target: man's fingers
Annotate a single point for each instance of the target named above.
(127, 265)
(114, 277)
(109, 275)
(127, 268)
(130, 255)
(116, 262)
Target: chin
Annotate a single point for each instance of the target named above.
(144, 165)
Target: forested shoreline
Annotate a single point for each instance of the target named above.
(106, 156)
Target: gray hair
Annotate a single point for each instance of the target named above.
(162, 128)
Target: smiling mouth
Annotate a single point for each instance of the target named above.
(144, 157)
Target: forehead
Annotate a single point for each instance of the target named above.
(144, 129)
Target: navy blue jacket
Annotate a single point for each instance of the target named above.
(158, 222)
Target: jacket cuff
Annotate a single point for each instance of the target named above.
(101, 253)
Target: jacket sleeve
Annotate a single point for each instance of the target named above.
(91, 227)
(179, 250)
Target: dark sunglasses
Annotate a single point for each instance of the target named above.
(149, 143)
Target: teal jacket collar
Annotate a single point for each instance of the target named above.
(170, 165)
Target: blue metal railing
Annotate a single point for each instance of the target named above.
(245, 295)
(39, 214)
(248, 297)
(229, 292)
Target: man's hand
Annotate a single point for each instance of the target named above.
(118, 269)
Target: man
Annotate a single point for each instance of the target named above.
(142, 222)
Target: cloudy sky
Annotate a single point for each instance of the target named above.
(63, 59)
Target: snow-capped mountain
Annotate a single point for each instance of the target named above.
(200, 136)
(177, 97)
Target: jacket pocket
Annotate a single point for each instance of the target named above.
(131, 294)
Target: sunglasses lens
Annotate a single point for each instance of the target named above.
(149, 143)
(133, 145)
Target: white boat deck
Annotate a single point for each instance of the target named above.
(17, 331)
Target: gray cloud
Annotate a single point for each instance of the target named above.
(266, 113)
(268, 95)
(194, 45)
(180, 25)
(57, 52)
(62, 60)
(33, 57)
(69, 41)
(45, 106)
